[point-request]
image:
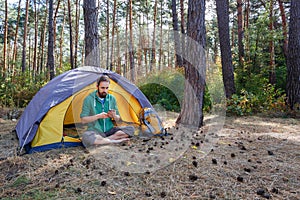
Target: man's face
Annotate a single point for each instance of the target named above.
(103, 89)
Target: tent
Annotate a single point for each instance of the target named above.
(58, 104)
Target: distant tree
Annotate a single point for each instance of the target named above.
(240, 32)
(131, 44)
(50, 61)
(91, 37)
(293, 58)
(224, 38)
(178, 61)
(71, 35)
(23, 66)
(4, 68)
(192, 109)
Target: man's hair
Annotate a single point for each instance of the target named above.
(103, 78)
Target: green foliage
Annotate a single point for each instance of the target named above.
(266, 100)
(166, 89)
(19, 90)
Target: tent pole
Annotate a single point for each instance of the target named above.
(25, 139)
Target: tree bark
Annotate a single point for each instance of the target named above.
(113, 36)
(240, 32)
(23, 65)
(224, 38)
(71, 35)
(131, 45)
(76, 32)
(272, 75)
(50, 60)
(91, 38)
(178, 62)
(107, 34)
(153, 57)
(192, 109)
(15, 52)
(34, 71)
(4, 67)
(293, 58)
(284, 27)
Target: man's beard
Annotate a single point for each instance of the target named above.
(102, 95)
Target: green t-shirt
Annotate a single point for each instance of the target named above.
(92, 105)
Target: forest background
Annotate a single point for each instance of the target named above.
(257, 34)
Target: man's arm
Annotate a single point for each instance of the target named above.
(92, 118)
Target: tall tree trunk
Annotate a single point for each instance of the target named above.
(153, 57)
(15, 51)
(284, 27)
(42, 41)
(183, 34)
(161, 35)
(61, 43)
(23, 65)
(240, 32)
(107, 34)
(224, 38)
(293, 58)
(34, 71)
(118, 67)
(54, 28)
(91, 38)
(76, 32)
(178, 62)
(71, 35)
(192, 110)
(113, 36)
(50, 60)
(4, 67)
(246, 27)
(272, 75)
(131, 45)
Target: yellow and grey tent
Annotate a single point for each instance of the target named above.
(58, 105)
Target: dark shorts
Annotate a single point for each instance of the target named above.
(89, 137)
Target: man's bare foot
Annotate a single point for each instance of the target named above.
(119, 140)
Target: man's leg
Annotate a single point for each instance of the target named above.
(119, 135)
(90, 138)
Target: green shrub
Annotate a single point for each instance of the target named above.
(266, 100)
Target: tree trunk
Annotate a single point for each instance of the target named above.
(71, 35)
(76, 32)
(272, 75)
(178, 62)
(54, 28)
(293, 58)
(224, 38)
(15, 51)
(91, 38)
(23, 66)
(50, 61)
(34, 71)
(240, 32)
(113, 36)
(192, 109)
(131, 45)
(61, 43)
(284, 27)
(42, 41)
(183, 35)
(153, 57)
(160, 36)
(4, 67)
(107, 34)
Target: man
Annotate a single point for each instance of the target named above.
(99, 110)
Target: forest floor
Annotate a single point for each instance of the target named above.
(251, 157)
